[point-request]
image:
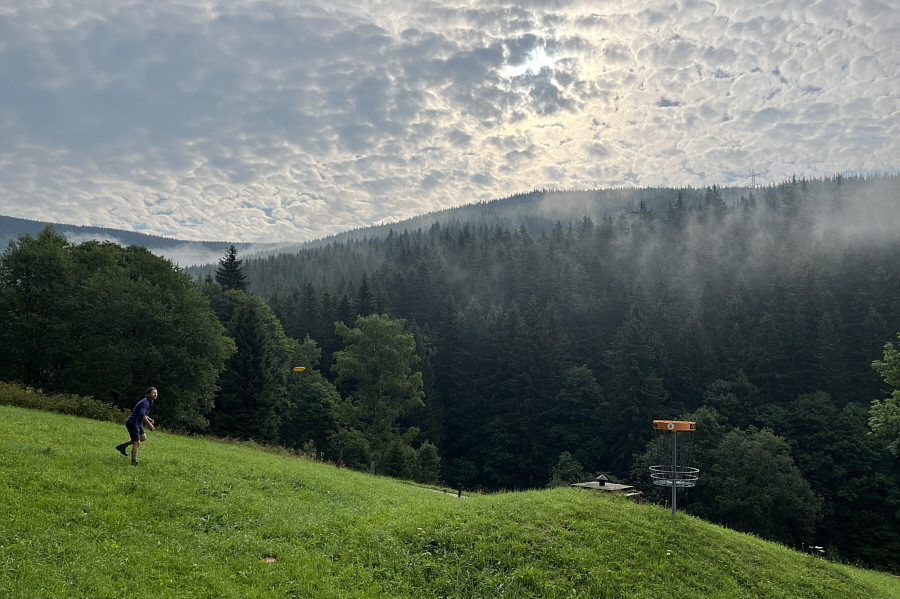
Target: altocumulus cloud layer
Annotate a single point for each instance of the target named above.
(273, 120)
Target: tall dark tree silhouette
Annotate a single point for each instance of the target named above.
(36, 279)
(636, 393)
(253, 390)
(713, 203)
(230, 274)
(365, 300)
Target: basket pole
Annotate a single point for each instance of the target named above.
(675, 467)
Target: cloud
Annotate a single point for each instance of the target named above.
(271, 121)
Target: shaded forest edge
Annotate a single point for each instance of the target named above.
(541, 350)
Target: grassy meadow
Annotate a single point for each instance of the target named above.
(199, 518)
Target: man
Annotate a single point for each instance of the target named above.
(135, 425)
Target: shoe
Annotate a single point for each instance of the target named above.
(121, 449)
(134, 463)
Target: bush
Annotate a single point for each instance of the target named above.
(428, 464)
(568, 470)
(12, 394)
(356, 448)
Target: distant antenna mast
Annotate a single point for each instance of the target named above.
(753, 174)
(669, 472)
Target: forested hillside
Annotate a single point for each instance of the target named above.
(759, 318)
(529, 344)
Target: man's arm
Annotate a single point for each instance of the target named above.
(149, 422)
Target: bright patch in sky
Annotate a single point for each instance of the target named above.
(287, 121)
(537, 59)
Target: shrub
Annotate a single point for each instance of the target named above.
(428, 464)
(85, 406)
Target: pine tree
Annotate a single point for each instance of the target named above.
(713, 203)
(253, 389)
(365, 301)
(230, 274)
(636, 395)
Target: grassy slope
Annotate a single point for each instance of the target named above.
(198, 518)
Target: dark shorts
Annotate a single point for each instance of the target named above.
(135, 431)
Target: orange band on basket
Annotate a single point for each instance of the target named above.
(674, 425)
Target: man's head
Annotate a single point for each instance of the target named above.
(152, 393)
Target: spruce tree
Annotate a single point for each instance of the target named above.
(230, 274)
(636, 393)
(252, 393)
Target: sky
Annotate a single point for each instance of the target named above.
(279, 120)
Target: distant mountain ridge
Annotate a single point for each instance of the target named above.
(184, 253)
(11, 227)
(537, 211)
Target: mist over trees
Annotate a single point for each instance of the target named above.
(526, 342)
(548, 337)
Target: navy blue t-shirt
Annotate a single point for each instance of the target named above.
(140, 410)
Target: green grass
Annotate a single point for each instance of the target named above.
(198, 518)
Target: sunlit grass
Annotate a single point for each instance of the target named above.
(204, 519)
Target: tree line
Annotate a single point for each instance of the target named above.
(498, 355)
(103, 321)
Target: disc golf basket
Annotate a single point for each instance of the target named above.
(671, 454)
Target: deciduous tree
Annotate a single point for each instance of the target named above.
(376, 367)
(106, 321)
(885, 415)
(36, 287)
(759, 489)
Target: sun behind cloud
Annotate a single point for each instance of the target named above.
(534, 63)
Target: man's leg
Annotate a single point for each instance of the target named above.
(135, 447)
(135, 435)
